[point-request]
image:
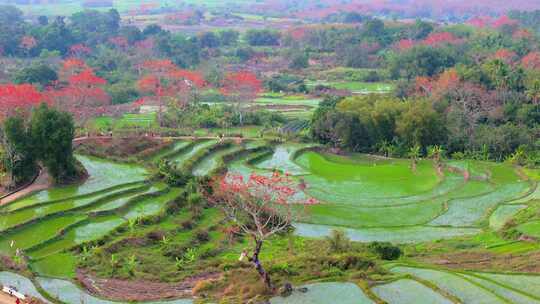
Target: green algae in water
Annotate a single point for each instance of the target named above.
(103, 174)
(530, 228)
(282, 160)
(503, 214)
(183, 157)
(360, 217)
(68, 292)
(22, 284)
(391, 179)
(414, 234)
(151, 205)
(533, 196)
(468, 211)
(37, 233)
(408, 291)
(122, 201)
(60, 265)
(91, 231)
(210, 162)
(324, 293)
(25, 215)
(175, 147)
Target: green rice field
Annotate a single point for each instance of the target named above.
(369, 198)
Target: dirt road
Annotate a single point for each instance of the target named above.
(42, 182)
(5, 299)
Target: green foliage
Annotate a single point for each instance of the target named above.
(52, 133)
(262, 37)
(286, 83)
(19, 158)
(36, 74)
(299, 60)
(385, 251)
(171, 175)
(338, 242)
(367, 123)
(421, 61)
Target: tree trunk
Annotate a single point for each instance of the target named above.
(257, 263)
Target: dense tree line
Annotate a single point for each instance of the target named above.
(46, 138)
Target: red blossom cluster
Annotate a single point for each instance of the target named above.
(119, 42)
(277, 188)
(446, 82)
(505, 55)
(78, 50)
(487, 21)
(28, 42)
(21, 97)
(502, 21)
(404, 44)
(80, 90)
(244, 86)
(531, 61)
(164, 79)
(440, 38)
(297, 33)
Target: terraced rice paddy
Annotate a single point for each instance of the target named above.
(369, 198)
(408, 291)
(68, 292)
(383, 199)
(475, 287)
(323, 293)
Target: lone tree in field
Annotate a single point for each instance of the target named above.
(414, 155)
(260, 206)
(436, 153)
(242, 88)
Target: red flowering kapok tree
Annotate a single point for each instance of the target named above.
(167, 82)
(70, 67)
(242, 88)
(442, 38)
(79, 50)
(27, 43)
(18, 98)
(82, 94)
(260, 206)
(531, 61)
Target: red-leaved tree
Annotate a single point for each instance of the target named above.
(22, 97)
(260, 206)
(531, 61)
(166, 82)
(242, 88)
(83, 94)
(437, 39)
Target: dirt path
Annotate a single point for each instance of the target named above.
(141, 291)
(5, 299)
(42, 182)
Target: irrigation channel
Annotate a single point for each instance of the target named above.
(370, 198)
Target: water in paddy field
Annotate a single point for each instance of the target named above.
(282, 160)
(325, 293)
(103, 174)
(22, 284)
(407, 291)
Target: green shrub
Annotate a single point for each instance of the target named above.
(338, 242)
(385, 251)
(202, 236)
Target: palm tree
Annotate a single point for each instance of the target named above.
(436, 153)
(384, 147)
(414, 155)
